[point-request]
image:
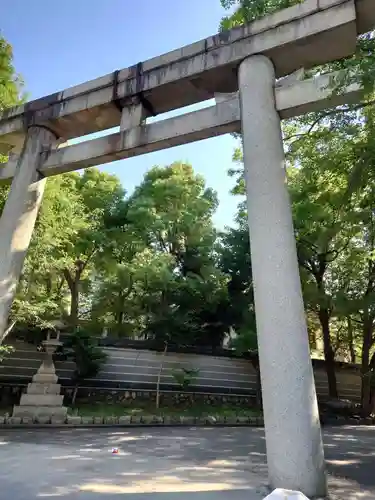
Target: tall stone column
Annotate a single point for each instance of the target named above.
(19, 214)
(293, 437)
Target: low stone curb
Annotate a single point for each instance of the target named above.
(156, 421)
(130, 421)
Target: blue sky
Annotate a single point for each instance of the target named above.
(60, 44)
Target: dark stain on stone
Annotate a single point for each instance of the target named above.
(222, 37)
(43, 109)
(139, 78)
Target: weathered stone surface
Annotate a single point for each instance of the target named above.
(31, 411)
(34, 399)
(111, 420)
(27, 420)
(243, 420)
(42, 419)
(56, 420)
(74, 420)
(284, 378)
(45, 378)
(15, 420)
(124, 420)
(87, 420)
(187, 420)
(201, 420)
(37, 388)
(281, 494)
(135, 419)
(98, 420)
(86, 108)
(292, 100)
(147, 419)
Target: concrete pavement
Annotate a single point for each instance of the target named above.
(199, 464)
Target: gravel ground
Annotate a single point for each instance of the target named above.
(169, 463)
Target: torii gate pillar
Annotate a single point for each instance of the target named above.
(295, 454)
(19, 215)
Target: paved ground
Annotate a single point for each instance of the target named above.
(191, 464)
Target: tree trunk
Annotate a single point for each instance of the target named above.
(74, 305)
(329, 355)
(365, 368)
(120, 318)
(159, 376)
(258, 388)
(74, 395)
(73, 284)
(7, 331)
(351, 340)
(120, 314)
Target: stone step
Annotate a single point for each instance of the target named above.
(32, 411)
(44, 378)
(41, 400)
(37, 388)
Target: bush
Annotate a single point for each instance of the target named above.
(88, 356)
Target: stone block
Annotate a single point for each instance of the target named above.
(76, 420)
(211, 420)
(98, 420)
(27, 420)
(2, 419)
(157, 419)
(87, 420)
(167, 420)
(42, 419)
(110, 420)
(34, 411)
(45, 378)
(124, 420)
(36, 388)
(201, 421)
(281, 494)
(15, 420)
(147, 419)
(187, 420)
(243, 420)
(135, 419)
(231, 420)
(57, 420)
(41, 400)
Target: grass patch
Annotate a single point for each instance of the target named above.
(105, 410)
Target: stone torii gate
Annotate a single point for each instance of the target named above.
(248, 59)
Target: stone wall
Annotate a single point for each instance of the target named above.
(132, 370)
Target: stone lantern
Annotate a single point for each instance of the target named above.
(43, 400)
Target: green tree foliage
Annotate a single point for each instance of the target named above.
(331, 182)
(10, 82)
(10, 95)
(83, 350)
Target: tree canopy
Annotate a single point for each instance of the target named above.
(151, 265)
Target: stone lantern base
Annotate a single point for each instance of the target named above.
(43, 398)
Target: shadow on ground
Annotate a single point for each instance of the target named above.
(199, 463)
